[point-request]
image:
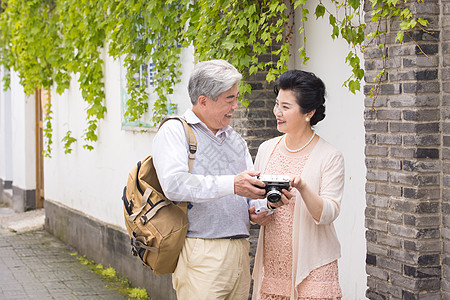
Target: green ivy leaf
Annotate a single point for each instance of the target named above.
(399, 36)
(354, 86)
(359, 73)
(423, 22)
(355, 4)
(320, 11)
(68, 140)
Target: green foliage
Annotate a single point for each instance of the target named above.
(239, 32)
(119, 283)
(68, 140)
(47, 130)
(385, 10)
(108, 272)
(141, 32)
(82, 27)
(30, 42)
(137, 294)
(48, 41)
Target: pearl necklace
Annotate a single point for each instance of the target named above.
(301, 148)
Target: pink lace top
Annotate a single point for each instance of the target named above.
(321, 283)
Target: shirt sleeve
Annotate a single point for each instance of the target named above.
(170, 157)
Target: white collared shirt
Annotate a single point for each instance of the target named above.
(170, 156)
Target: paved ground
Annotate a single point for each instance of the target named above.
(36, 265)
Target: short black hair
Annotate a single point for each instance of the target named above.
(309, 92)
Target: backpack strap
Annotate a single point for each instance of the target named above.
(192, 143)
(190, 137)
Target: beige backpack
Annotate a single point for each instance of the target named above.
(157, 227)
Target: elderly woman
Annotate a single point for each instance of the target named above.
(298, 247)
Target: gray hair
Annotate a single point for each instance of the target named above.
(211, 78)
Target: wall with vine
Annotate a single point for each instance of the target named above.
(48, 41)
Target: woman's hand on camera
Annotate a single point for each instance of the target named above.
(285, 197)
(298, 183)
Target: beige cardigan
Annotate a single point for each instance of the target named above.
(314, 243)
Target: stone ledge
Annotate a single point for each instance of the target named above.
(105, 244)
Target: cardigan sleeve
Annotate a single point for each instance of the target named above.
(332, 187)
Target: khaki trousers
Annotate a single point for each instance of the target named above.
(210, 269)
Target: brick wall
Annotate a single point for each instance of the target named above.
(445, 127)
(407, 172)
(256, 123)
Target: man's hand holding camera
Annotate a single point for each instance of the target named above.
(247, 185)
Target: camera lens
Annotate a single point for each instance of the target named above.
(273, 195)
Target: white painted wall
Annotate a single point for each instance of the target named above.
(5, 132)
(92, 181)
(343, 127)
(23, 140)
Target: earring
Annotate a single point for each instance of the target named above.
(307, 119)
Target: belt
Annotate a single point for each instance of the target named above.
(233, 237)
(236, 237)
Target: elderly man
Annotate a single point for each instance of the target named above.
(214, 262)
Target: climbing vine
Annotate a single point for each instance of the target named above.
(47, 42)
(389, 11)
(142, 32)
(82, 27)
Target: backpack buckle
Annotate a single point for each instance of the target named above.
(144, 219)
(192, 149)
(133, 247)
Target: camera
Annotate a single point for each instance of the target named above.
(274, 185)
